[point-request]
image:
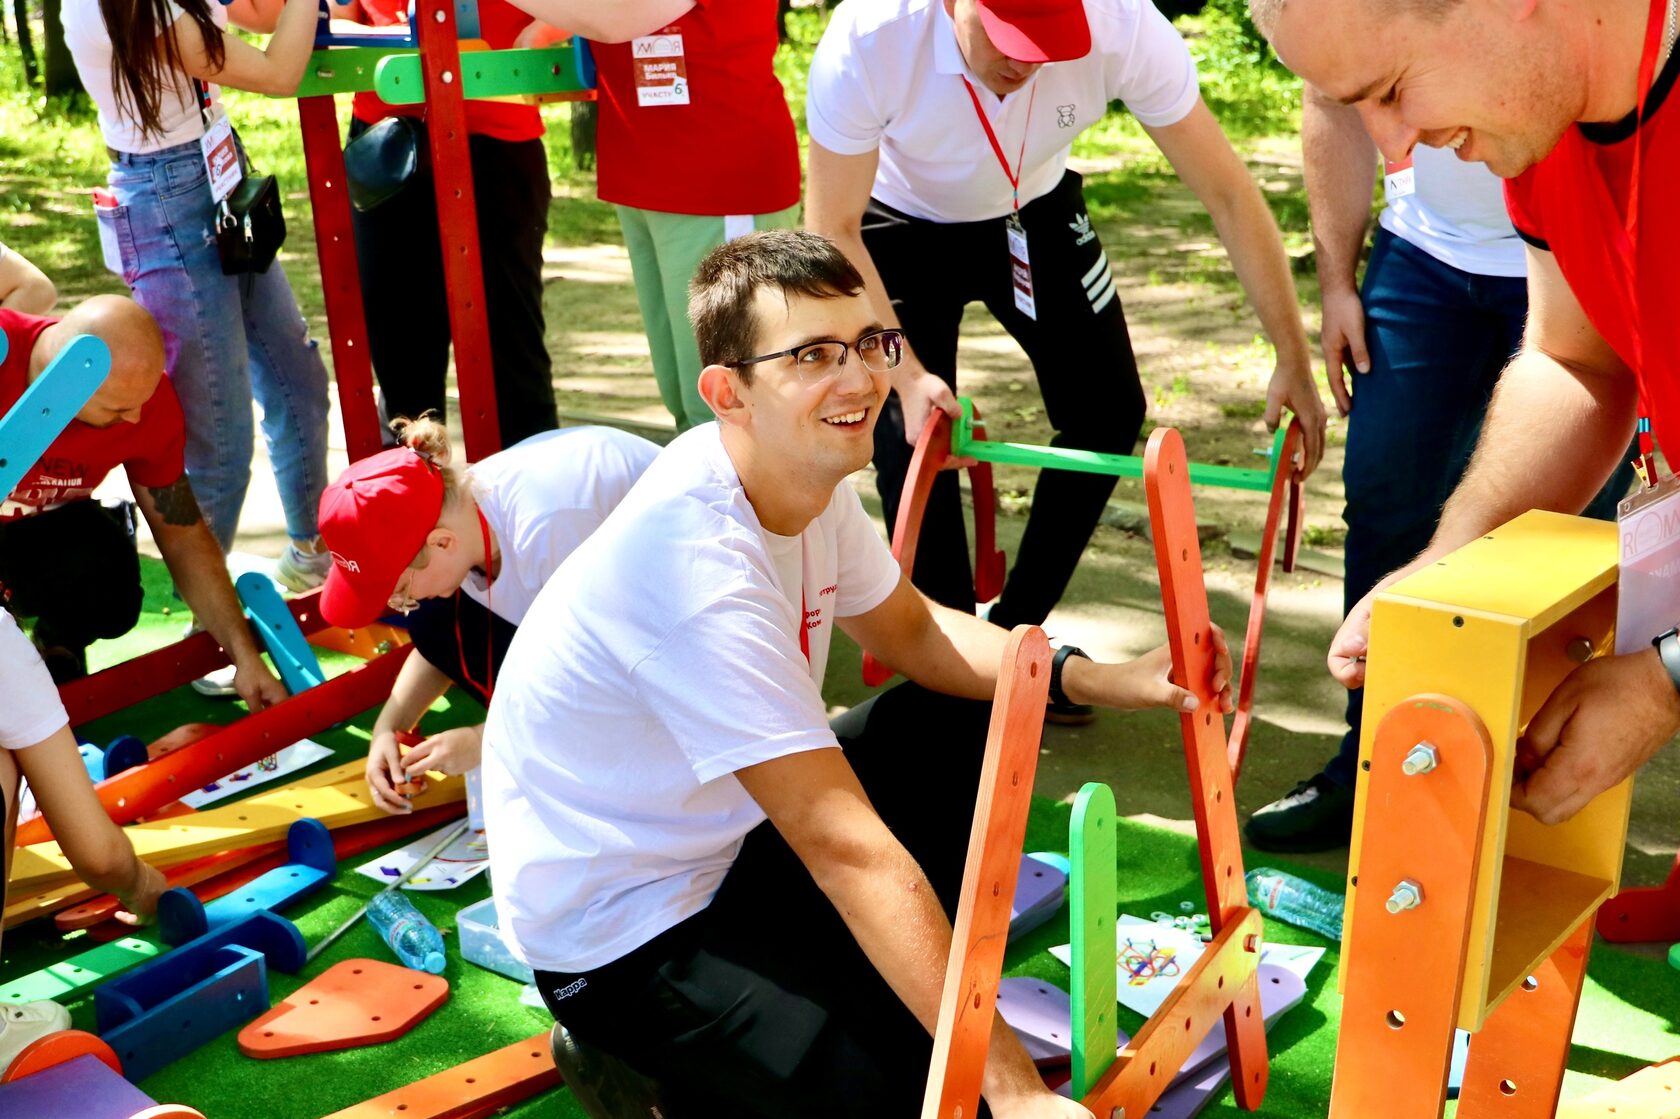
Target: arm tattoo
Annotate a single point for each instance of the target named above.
(176, 503)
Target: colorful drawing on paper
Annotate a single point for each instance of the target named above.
(462, 861)
(1143, 960)
(298, 756)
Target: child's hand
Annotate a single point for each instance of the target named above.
(385, 774)
(139, 902)
(453, 751)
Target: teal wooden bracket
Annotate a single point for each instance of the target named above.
(48, 405)
(281, 635)
(398, 80)
(70, 977)
(964, 443)
(1092, 891)
(347, 69)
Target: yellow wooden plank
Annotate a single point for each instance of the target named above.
(259, 819)
(1650, 1093)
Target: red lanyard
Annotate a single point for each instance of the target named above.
(1014, 176)
(489, 640)
(1654, 26)
(804, 636)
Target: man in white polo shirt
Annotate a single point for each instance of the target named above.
(1440, 314)
(706, 885)
(940, 133)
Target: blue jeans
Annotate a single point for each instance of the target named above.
(1438, 339)
(225, 337)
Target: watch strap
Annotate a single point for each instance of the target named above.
(1058, 697)
(1667, 645)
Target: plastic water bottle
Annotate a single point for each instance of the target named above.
(475, 799)
(1298, 902)
(414, 939)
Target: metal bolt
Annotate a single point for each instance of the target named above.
(1117, 1113)
(1420, 759)
(383, 647)
(1579, 650)
(1407, 895)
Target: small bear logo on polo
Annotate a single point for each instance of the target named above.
(1064, 116)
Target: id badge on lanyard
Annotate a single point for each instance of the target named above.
(1399, 179)
(221, 154)
(1020, 264)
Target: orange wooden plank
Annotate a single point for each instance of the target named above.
(510, 1074)
(56, 1048)
(975, 964)
(352, 1003)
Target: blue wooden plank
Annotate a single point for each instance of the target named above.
(221, 989)
(290, 651)
(182, 917)
(49, 404)
(151, 984)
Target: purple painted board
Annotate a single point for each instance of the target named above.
(1041, 1015)
(82, 1088)
(1039, 891)
(1280, 991)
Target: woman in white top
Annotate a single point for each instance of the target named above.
(144, 62)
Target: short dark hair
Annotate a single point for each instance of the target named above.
(792, 261)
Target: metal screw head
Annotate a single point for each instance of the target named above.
(1420, 759)
(1406, 895)
(1579, 650)
(1117, 1113)
(383, 647)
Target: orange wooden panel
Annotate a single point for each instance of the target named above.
(1644, 914)
(966, 1008)
(1178, 558)
(478, 1087)
(56, 1048)
(168, 1111)
(1516, 1064)
(354, 1002)
(1402, 972)
(1650, 1093)
(1150, 1060)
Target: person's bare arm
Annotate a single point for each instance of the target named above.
(417, 687)
(275, 69)
(1559, 422)
(260, 16)
(200, 572)
(1339, 161)
(616, 22)
(1203, 158)
(814, 800)
(24, 287)
(958, 654)
(837, 189)
(98, 850)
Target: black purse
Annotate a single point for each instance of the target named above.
(381, 162)
(250, 227)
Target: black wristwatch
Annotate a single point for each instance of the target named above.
(1666, 643)
(1058, 697)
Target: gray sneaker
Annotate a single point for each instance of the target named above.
(299, 571)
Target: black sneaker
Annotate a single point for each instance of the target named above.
(1316, 815)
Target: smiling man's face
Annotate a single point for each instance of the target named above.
(1483, 78)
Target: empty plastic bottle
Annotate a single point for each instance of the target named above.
(414, 939)
(1296, 901)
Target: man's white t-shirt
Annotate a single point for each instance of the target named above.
(663, 656)
(888, 75)
(544, 496)
(1457, 215)
(89, 43)
(30, 711)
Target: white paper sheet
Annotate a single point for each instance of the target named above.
(299, 755)
(462, 861)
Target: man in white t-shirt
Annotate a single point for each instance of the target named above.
(709, 884)
(940, 133)
(1440, 314)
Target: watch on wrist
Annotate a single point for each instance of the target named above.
(1058, 697)
(1667, 645)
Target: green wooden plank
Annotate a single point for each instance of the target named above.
(347, 69)
(1095, 462)
(485, 74)
(1092, 893)
(66, 978)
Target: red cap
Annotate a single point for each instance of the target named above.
(1037, 30)
(375, 520)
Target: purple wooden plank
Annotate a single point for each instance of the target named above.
(82, 1088)
(1041, 1014)
(1038, 884)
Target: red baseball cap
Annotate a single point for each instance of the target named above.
(374, 520)
(1037, 30)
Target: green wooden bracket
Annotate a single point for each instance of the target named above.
(485, 74)
(964, 443)
(348, 69)
(67, 977)
(1092, 892)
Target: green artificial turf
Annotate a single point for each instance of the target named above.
(1627, 1015)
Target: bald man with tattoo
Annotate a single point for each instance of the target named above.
(70, 562)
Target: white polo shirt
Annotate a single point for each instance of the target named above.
(888, 75)
(1457, 215)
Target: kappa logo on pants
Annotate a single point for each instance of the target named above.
(570, 989)
(1082, 231)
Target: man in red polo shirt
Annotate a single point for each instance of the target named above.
(1567, 102)
(70, 562)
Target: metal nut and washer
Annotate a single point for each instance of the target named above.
(1420, 759)
(1406, 895)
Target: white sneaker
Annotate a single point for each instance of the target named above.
(299, 571)
(217, 684)
(21, 1023)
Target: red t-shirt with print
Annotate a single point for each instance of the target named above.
(693, 119)
(78, 460)
(499, 24)
(1574, 203)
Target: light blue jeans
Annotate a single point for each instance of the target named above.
(226, 337)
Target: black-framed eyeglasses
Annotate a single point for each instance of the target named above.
(879, 351)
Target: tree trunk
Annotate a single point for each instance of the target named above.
(783, 8)
(583, 134)
(26, 42)
(58, 75)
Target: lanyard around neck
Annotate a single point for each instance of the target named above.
(1014, 176)
(1654, 26)
(489, 638)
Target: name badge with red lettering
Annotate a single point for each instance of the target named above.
(1648, 588)
(1399, 180)
(656, 64)
(1020, 267)
(221, 156)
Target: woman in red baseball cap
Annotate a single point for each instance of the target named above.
(462, 553)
